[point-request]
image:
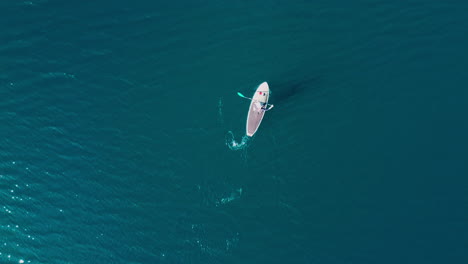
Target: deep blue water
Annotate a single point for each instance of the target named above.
(121, 132)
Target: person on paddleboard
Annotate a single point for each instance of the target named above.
(265, 107)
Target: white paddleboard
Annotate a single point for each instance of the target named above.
(256, 113)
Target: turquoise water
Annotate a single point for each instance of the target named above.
(121, 137)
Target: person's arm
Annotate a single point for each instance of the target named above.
(269, 108)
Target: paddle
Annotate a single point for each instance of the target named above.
(245, 97)
(241, 95)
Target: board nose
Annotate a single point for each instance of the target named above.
(264, 86)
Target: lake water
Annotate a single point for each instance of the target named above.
(121, 136)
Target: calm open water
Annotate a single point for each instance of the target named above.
(121, 134)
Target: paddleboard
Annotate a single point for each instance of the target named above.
(256, 113)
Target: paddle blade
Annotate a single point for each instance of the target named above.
(239, 94)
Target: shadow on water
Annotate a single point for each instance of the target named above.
(286, 90)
